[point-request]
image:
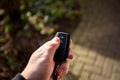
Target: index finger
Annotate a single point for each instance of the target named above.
(70, 54)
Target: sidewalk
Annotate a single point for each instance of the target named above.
(97, 42)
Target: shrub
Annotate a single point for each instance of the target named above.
(39, 13)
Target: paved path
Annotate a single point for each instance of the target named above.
(97, 42)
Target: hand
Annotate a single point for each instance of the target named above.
(41, 63)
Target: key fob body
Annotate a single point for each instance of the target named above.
(63, 50)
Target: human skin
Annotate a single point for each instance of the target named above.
(41, 63)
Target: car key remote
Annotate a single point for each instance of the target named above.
(62, 51)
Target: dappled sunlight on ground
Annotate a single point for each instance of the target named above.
(97, 42)
(91, 65)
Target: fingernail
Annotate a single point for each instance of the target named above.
(56, 39)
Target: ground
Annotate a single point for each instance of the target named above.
(97, 42)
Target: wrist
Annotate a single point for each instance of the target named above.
(25, 75)
(18, 77)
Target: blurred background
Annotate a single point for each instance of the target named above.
(93, 25)
(26, 24)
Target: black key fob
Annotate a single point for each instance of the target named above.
(63, 50)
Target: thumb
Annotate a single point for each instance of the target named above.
(50, 47)
(53, 45)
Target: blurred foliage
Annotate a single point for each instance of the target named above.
(42, 12)
(39, 13)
